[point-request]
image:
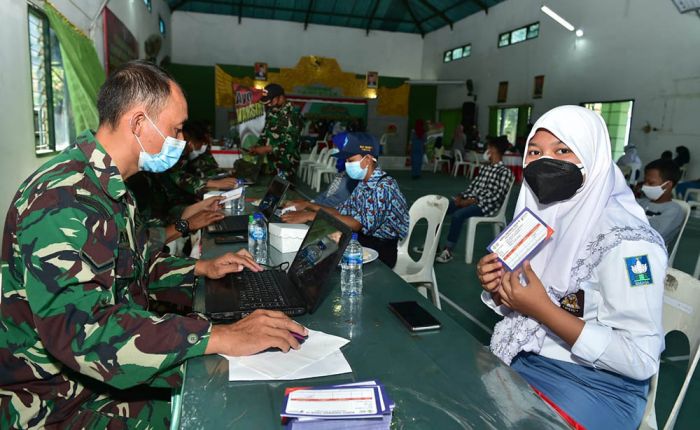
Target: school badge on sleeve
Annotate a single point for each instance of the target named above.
(638, 270)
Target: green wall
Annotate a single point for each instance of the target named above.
(422, 103)
(198, 84)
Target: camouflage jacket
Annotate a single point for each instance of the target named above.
(77, 278)
(282, 131)
(191, 176)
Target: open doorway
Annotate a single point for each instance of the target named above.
(618, 117)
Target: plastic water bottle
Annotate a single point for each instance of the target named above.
(257, 238)
(239, 206)
(351, 265)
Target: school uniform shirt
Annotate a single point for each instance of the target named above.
(666, 218)
(602, 249)
(621, 306)
(490, 187)
(379, 206)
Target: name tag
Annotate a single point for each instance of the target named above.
(520, 239)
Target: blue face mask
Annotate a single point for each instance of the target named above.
(169, 153)
(354, 170)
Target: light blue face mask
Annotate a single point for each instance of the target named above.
(354, 170)
(169, 153)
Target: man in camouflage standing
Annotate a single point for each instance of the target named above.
(79, 346)
(279, 138)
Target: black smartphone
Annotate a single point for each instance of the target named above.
(225, 240)
(414, 316)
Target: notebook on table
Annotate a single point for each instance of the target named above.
(239, 223)
(299, 290)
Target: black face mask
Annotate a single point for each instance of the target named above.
(553, 180)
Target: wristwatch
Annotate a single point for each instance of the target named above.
(182, 226)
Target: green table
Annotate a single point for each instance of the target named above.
(439, 380)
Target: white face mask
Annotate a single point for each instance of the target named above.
(654, 192)
(486, 156)
(166, 158)
(197, 152)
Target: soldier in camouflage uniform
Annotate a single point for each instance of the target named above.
(195, 170)
(279, 138)
(79, 346)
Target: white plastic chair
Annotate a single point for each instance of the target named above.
(473, 160)
(459, 162)
(304, 164)
(696, 272)
(384, 140)
(320, 162)
(433, 208)
(686, 209)
(328, 169)
(681, 312)
(438, 160)
(498, 221)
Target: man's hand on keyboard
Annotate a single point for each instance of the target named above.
(257, 332)
(298, 217)
(228, 263)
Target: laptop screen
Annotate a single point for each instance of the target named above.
(319, 254)
(272, 198)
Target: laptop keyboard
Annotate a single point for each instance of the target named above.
(259, 290)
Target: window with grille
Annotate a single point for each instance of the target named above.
(457, 53)
(518, 35)
(53, 120)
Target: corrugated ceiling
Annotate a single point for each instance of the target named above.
(407, 16)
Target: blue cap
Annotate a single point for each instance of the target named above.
(359, 144)
(354, 236)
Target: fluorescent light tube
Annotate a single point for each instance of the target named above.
(566, 24)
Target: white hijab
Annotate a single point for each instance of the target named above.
(576, 221)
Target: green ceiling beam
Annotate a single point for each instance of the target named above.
(415, 20)
(438, 12)
(371, 16)
(308, 14)
(481, 5)
(179, 4)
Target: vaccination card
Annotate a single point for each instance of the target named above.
(520, 239)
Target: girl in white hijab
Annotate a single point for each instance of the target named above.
(582, 319)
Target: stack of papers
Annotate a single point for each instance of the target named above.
(360, 405)
(319, 355)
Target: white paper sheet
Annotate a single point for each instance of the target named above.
(320, 349)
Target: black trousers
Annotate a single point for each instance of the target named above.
(387, 248)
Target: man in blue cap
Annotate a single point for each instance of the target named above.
(338, 190)
(376, 209)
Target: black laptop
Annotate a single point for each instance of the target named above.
(268, 205)
(295, 292)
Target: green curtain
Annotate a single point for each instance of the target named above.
(84, 73)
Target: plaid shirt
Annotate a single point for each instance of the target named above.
(489, 188)
(379, 206)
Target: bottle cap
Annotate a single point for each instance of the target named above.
(258, 215)
(354, 236)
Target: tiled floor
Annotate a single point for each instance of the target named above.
(458, 283)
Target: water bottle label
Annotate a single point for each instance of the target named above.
(352, 259)
(258, 234)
